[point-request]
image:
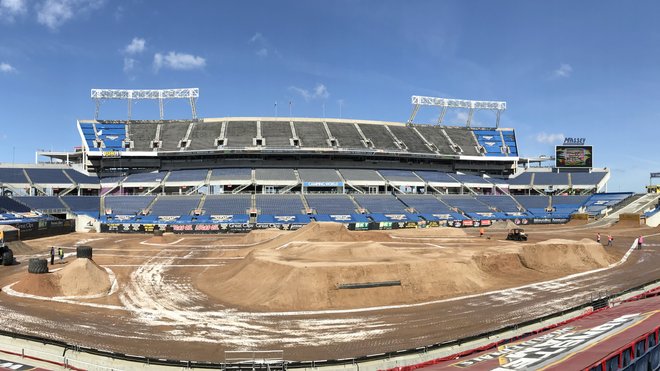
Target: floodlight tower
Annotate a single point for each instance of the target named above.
(189, 93)
(445, 103)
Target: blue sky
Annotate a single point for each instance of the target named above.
(566, 68)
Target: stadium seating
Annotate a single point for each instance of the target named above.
(127, 205)
(142, 178)
(465, 203)
(412, 141)
(276, 134)
(400, 176)
(542, 179)
(347, 135)
(436, 135)
(227, 204)
(203, 135)
(437, 177)
(380, 203)
(10, 205)
(464, 138)
(522, 179)
(352, 175)
(171, 133)
(187, 176)
(472, 180)
(311, 134)
(111, 134)
(318, 175)
(82, 204)
(231, 175)
(490, 140)
(265, 175)
(174, 205)
(42, 203)
(88, 134)
(142, 135)
(379, 136)
(13, 176)
(48, 176)
(501, 203)
(587, 179)
(510, 140)
(331, 203)
(425, 204)
(280, 204)
(240, 133)
(600, 202)
(80, 178)
(533, 202)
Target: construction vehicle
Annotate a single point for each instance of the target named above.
(516, 234)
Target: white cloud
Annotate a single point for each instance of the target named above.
(319, 92)
(262, 46)
(9, 9)
(263, 52)
(6, 68)
(257, 37)
(545, 138)
(564, 70)
(178, 61)
(136, 46)
(129, 64)
(54, 13)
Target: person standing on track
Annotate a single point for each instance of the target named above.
(60, 253)
(610, 239)
(598, 237)
(52, 255)
(481, 232)
(640, 242)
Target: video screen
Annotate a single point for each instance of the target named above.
(574, 156)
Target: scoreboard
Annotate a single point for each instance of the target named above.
(574, 156)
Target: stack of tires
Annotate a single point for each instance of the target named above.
(7, 255)
(38, 266)
(84, 252)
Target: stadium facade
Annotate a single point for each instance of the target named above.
(251, 172)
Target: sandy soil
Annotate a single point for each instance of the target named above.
(193, 297)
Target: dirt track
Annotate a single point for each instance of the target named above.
(174, 294)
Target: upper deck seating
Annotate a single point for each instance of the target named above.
(464, 138)
(232, 174)
(353, 175)
(197, 175)
(240, 133)
(409, 137)
(276, 133)
(127, 205)
(142, 134)
(311, 134)
(48, 176)
(275, 175)
(318, 175)
(379, 136)
(203, 135)
(171, 133)
(347, 135)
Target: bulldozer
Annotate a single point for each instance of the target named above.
(516, 234)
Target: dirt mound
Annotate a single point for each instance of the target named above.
(561, 255)
(428, 232)
(329, 231)
(81, 277)
(260, 235)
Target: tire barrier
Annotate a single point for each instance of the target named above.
(8, 257)
(38, 266)
(84, 252)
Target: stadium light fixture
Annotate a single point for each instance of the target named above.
(188, 93)
(446, 103)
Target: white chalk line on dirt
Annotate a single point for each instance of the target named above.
(168, 257)
(169, 265)
(209, 246)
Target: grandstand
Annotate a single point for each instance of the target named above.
(264, 168)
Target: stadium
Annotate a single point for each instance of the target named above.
(290, 242)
